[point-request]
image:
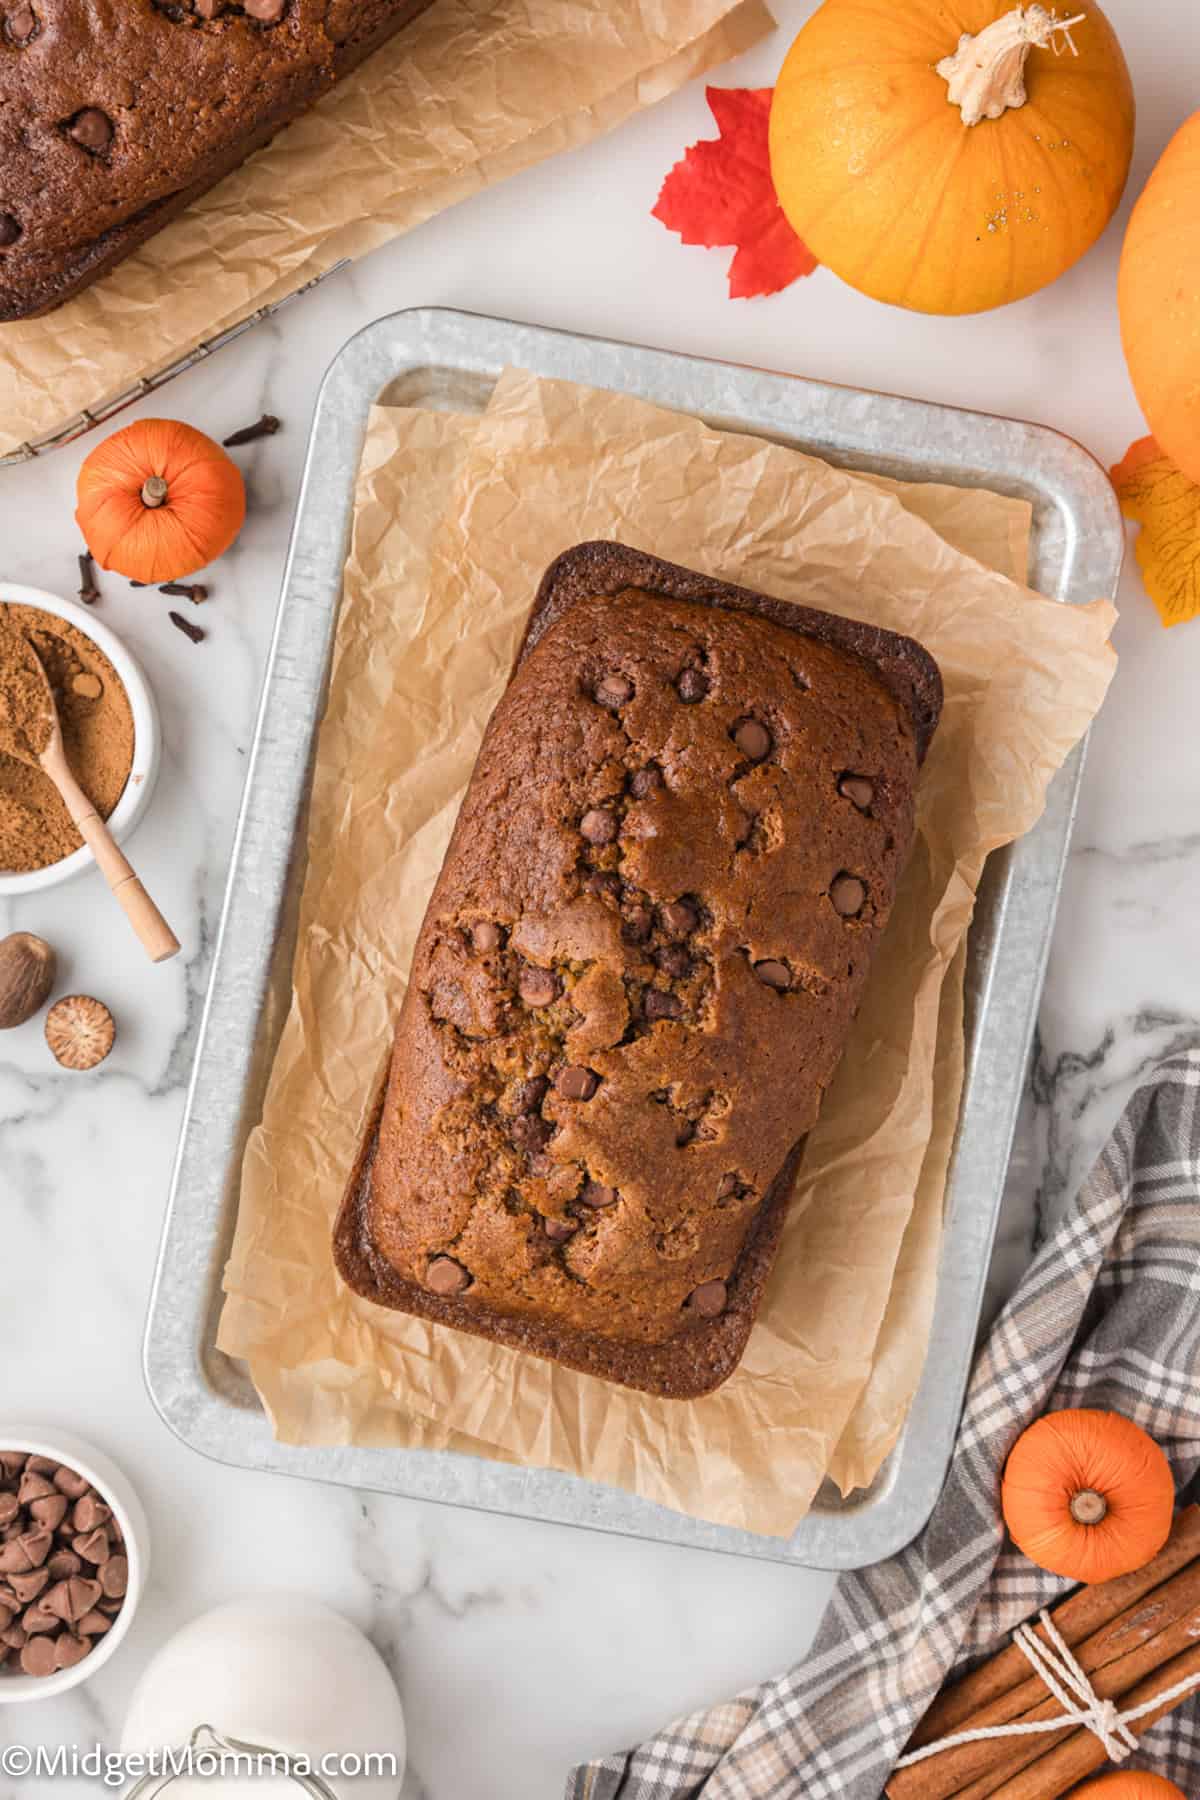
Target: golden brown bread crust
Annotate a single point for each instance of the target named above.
(170, 102)
(638, 970)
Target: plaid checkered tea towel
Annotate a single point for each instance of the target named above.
(1108, 1316)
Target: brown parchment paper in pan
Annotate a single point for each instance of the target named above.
(462, 97)
(549, 464)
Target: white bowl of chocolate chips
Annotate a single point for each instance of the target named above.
(73, 1558)
(83, 657)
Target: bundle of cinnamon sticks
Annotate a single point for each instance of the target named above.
(1135, 1637)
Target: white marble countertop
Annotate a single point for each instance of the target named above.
(518, 1647)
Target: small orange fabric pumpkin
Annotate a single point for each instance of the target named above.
(1129, 1784)
(951, 155)
(1088, 1495)
(158, 500)
(1159, 293)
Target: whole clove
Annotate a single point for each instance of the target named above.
(89, 593)
(188, 629)
(185, 591)
(267, 426)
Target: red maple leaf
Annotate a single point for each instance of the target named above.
(721, 193)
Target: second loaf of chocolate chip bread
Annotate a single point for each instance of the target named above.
(638, 970)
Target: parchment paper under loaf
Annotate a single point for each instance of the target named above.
(425, 643)
(461, 98)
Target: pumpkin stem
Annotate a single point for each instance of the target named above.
(154, 490)
(986, 74)
(1088, 1507)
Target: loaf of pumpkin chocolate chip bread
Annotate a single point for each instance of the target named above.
(114, 117)
(638, 970)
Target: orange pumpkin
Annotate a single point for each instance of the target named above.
(159, 500)
(1129, 1784)
(1088, 1495)
(951, 155)
(1159, 293)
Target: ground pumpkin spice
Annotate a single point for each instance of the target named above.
(97, 729)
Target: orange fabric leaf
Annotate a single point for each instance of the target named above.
(721, 193)
(1166, 504)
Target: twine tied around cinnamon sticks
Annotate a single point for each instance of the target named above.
(1081, 1705)
(1134, 1641)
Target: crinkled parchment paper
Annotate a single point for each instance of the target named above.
(462, 97)
(430, 620)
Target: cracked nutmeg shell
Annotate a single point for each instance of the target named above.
(80, 1031)
(26, 977)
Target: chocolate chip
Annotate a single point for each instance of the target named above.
(858, 789)
(114, 1576)
(680, 918)
(442, 1276)
(530, 1094)
(93, 1546)
(68, 1482)
(537, 987)
(708, 1299)
(13, 1637)
(10, 230)
(90, 1512)
(598, 826)
(33, 1487)
(39, 1618)
(267, 12)
(559, 1230)
(658, 1005)
(576, 1083)
(94, 1624)
(26, 1588)
(597, 1196)
(92, 130)
(753, 740)
(50, 1511)
(40, 1656)
(71, 1599)
(62, 1564)
(645, 781)
(36, 1546)
(43, 1465)
(674, 960)
(531, 1133)
(69, 1650)
(485, 936)
(638, 924)
(692, 685)
(614, 691)
(603, 881)
(774, 975)
(12, 1462)
(20, 27)
(9, 1508)
(849, 895)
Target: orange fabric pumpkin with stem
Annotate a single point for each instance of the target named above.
(1088, 1495)
(159, 500)
(1159, 293)
(1129, 1784)
(951, 155)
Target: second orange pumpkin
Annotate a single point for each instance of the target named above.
(159, 500)
(943, 175)
(1088, 1495)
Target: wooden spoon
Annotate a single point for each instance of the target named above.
(156, 935)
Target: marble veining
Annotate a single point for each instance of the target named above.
(522, 1647)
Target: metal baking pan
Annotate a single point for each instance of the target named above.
(450, 360)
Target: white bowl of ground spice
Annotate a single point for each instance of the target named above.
(110, 733)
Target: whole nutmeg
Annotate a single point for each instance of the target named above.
(79, 1031)
(26, 977)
